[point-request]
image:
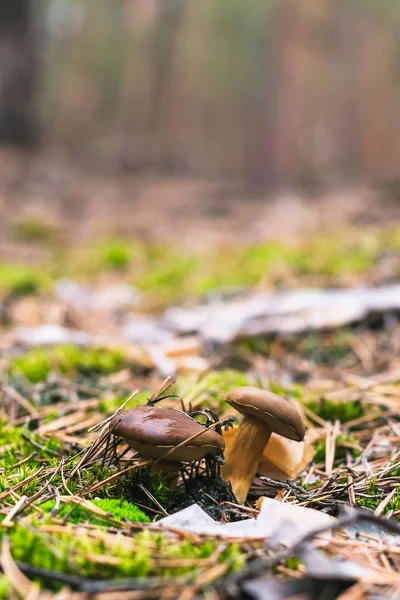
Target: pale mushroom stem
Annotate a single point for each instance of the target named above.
(243, 455)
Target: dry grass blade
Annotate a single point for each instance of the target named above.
(24, 587)
(23, 402)
(8, 520)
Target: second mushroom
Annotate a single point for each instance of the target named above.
(168, 435)
(264, 413)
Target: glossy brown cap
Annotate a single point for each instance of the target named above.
(278, 415)
(153, 431)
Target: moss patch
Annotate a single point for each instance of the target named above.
(116, 508)
(37, 364)
(18, 280)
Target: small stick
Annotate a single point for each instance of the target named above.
(8, 520)
(153, 499)
(382, 505)
(285, 485)
(39, 446)
(23, 402)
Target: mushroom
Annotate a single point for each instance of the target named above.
(155, 432)
(264, 413)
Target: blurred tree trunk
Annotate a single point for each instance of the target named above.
(166, 30)
(18, 115)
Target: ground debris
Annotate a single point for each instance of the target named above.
(261, 313)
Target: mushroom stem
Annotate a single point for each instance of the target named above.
(243, 455)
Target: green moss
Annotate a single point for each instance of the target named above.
(167, 496)
(166, 275)
(394, 503)
(69, 553)
(334, 255)
(37, 364)
(293, 563)
(167, 278)
(111, 402)
(218, 382)
(343, 445)
(72, 553)
(34, 365)
(121, 509)
(395, 472)
(116, 508)
(372, 503)
(8, 435)
(19, 280)
(128, 487)
(5, 588)
(335, 410)
(212, 385)
(372, 486)
(17, 476)
(115, 253)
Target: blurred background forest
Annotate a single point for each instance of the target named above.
(276, 91)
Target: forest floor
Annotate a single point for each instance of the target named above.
(100, 260)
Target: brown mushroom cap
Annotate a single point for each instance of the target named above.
(280, 416)
(153, 431)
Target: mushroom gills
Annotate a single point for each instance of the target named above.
(184, 453)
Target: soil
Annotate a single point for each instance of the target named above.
(89, 203)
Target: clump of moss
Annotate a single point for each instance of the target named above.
(110, 402)
(116, 508)
(394, 503)
(335, 255)
(18, 475)
(293, 563)
(215, 382)
(18, 280)
(343, 444)
(83, 554)
(164, 275)
(167, 278)
(37, 364)
(69, 552)
(121, 509)
(5, 588)
(115, 253)
(334, 410)
(8, 433)
(370, 503)
(129, 487)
